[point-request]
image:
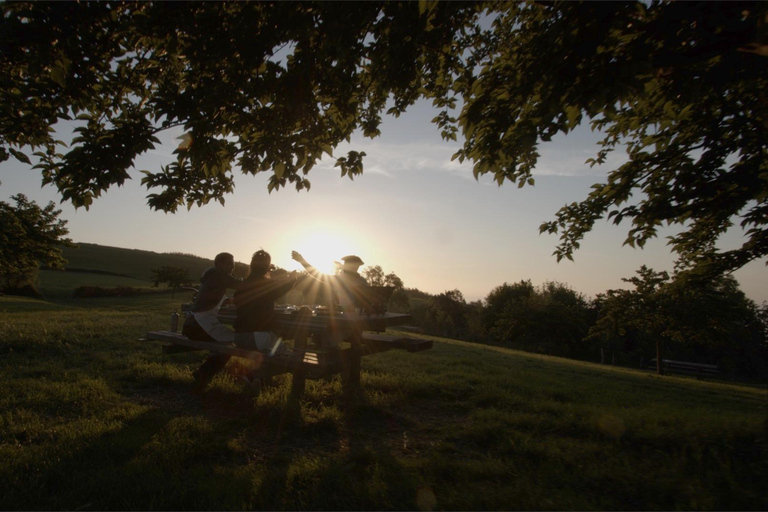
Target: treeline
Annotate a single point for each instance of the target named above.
(712, 322)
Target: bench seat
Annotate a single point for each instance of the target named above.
(685, 367)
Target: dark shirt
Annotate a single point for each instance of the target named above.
(213, 284)
(350, 283)
(351, 280)
(255, 302)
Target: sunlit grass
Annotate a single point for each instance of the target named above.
(91, 418)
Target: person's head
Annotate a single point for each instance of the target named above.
(224, 262)
(351, 263)
(261, 262)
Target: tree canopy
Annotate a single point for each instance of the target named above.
(551, 319)
(272, 87)
(376, 277)
(175, 277)
(30, 236)
(715, 320)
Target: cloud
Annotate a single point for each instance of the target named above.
(389, 159)
(565, 156)
(571, 161)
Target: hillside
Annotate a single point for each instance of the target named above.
(130, 262)
(105, 266)
(91, 418)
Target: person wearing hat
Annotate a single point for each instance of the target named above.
(345, 283)
(349, 281)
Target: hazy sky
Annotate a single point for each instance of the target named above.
(413, 211)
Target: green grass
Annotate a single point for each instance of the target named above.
(57, 284)
(91, 418)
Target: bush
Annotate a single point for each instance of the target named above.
(26, 290)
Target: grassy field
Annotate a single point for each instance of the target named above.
(91, 418)
(57, 284)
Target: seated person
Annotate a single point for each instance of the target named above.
(255, 302)
(345, 283)
(202, 322)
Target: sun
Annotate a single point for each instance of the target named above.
(321, 248)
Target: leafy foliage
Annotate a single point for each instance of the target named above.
(376, 277)
(176, 277)
(705, 323)
(446, 314)
(272, 87)
(551, 319)
(260, 86)
(682, 85)
(398, 301)
(30, 236)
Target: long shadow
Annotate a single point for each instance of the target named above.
(272, 493)
(76, 482)
(287, 438)
(378, 478)
(357, 469)
(129, 469)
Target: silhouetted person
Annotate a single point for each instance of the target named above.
(345, 283)
(255, 302)
(202, 323)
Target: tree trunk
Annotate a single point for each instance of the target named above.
(659, 364)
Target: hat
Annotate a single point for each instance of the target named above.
(352, 259)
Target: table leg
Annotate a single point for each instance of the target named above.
(350, 378)
(298, 383)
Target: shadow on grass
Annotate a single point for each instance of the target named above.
(376, 477)
(346, 464)
(223, 450)
(81, 478)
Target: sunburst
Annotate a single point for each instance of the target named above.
(324, 246)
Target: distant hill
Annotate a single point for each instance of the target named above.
(134, 262)
(105, 266)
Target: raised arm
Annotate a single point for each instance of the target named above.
(304, 263)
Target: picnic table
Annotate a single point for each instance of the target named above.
(309, 359)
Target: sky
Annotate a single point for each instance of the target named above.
(413, 212)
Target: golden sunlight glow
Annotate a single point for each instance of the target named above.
(323, 246)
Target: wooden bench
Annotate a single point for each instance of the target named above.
(302, 364)
(684, 367)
